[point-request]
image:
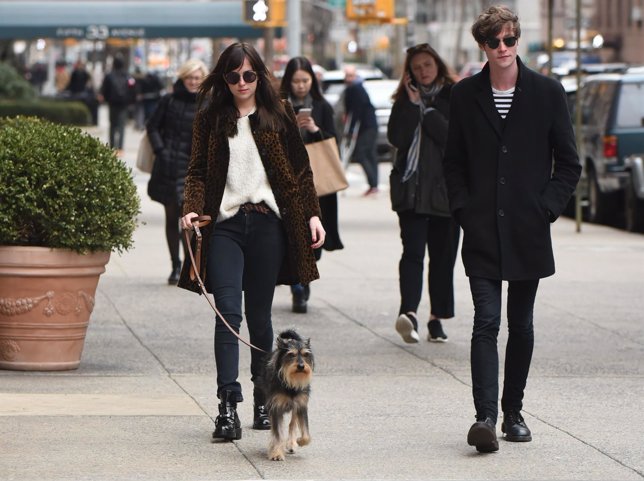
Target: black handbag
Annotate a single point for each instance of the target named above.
(402, 194)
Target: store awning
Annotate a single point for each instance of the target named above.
(98, 20)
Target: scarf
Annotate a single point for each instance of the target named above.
(427, 95)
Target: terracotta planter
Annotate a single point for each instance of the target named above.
(46, 298)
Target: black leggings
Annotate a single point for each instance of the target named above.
(172, 231)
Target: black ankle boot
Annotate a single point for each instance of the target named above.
(227, 424)
(299, 298)
(176, 272)
(260, 413)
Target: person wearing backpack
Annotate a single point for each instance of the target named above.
(116, 92)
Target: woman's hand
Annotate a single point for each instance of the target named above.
(307, 122)
(318, 233)
(186, 221)
(412, 91)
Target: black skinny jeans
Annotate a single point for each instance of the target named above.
(486, 294)
(245, 253)
(440, 235)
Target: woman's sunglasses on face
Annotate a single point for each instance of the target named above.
(494, 43)
(233, 78)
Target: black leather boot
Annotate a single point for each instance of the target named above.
(299, 298)
(260, 413)
(176, 272)
(227, 424)
(515, 428)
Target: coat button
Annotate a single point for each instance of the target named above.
(502, 181)
(501, 213)
(504, 149)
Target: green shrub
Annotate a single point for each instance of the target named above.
(13, 86)
(62, 188)
(59, 111)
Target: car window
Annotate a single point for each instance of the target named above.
(380, 93)
(596, 101)
(631, 105)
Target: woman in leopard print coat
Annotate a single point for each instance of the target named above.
(250, 172)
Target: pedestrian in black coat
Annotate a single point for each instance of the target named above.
(170, 132)
(511, 166)
(360, 115)
(301, 87)
(418, 129)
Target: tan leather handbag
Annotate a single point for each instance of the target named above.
(328, 173)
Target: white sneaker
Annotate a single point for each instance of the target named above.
(407, 330)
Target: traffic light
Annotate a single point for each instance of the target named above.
(370, 10)
(265, 13)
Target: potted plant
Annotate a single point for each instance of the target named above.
(66, 202)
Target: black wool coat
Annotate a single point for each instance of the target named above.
(431, 193)
(322, 114)
(508, 180)
(170, 133)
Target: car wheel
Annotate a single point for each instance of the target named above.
(633, 210)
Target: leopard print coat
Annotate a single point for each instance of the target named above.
(289, 175)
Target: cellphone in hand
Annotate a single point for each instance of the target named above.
(304, 112)
(412, 81)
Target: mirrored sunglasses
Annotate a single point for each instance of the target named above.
(233, 78)
(494, 43)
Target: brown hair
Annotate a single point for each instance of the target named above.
(221, 106)
(443, 76)
(490, 23)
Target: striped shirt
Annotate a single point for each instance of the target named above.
(503, 100)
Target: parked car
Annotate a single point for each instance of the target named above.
(612, 138)
(380, 92)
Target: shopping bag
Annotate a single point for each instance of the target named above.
(145, 155)
(328, 173)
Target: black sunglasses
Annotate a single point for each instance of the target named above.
(422, 47)
(233, 78)
(494, 43)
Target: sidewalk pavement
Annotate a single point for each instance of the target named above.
(142, 404)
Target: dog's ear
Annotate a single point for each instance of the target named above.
(281, 343)
(308, 343)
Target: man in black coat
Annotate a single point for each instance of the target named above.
(362, 115)
(511, 166)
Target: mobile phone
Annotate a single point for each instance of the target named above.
(412, 81)
(304, 112)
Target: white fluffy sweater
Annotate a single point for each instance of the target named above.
(246, 181)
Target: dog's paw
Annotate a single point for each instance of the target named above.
(304, 440)
(276, 455)
(291, 446)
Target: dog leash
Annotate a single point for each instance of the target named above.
(197, 222)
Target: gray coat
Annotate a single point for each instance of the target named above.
(508, 180)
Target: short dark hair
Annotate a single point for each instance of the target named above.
(491, 21)
(293, 65)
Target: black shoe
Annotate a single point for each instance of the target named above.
(227, 424)
(173, 280)
(299, 299)
(407, 327)
(260, 418)
(514, 427)
(436, 333)
(482, 435)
